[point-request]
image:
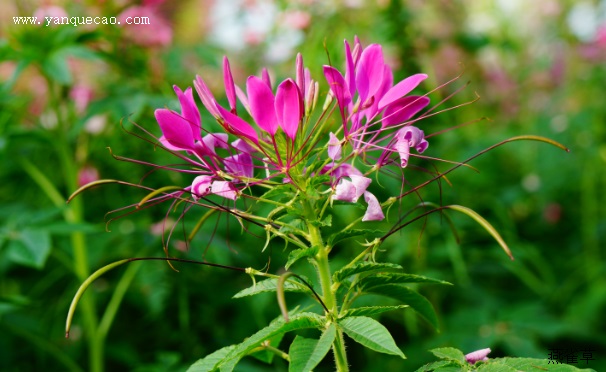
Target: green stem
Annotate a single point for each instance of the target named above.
(324, 274)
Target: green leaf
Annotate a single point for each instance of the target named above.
(30, 248)
(449, 353)
(396, 278)
(441, 365)
(270, 285)
(364, 267)
(371, 310)
(530, 364)
(342, 235)
(371, 334)
(298, 254)
(280, 192)
(493, 367)
(305, 353)
(267, 356)
(293, 227)
(406, 295)
(210, 362)
(278, 326)
(55, 67)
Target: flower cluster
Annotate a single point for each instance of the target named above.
(281, 140)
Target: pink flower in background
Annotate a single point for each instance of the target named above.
(477, 355)
(157, 33)
(50, 11)
(81, 95)
(87, 174)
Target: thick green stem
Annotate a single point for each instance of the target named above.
(324, 274)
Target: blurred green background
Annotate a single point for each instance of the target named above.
(539, 68)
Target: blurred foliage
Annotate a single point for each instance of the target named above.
(533, 72)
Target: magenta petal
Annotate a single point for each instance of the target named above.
(225, 189)
(334, 147)
(228, 80)
(201, 186)
(345, 191)
(403, 148)
(289, 107)
(240, 165)
(477, 355)
(265, 77)
(206, 96)
(214, 140)
(369, 72)
(338, 86)
(373, 212)
(261, 101)
(243, 146)
(237, 126)
(402, 109)
(177, 131)
(401, 89)
(350, 75)
(189, 110)
(373, 110)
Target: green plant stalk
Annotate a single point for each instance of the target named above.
(324, 274)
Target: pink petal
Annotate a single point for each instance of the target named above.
(300, 74)
(225, 189)
(243, 146)
(242, 97)
(289, 107)
(373, 110)
(350, 75)
(206, 96)
(406, 138)
(369, 72)
(402, 109)
(477, 355)
(338, 86)
(177, 131)
(345, 191)
(334, 147)
(361, 184)
(265, 77)
(201, 186)
(230, 90)
(261, 100)
(240, 165)
(237, 126)
(401, 89)
(214, 140)
(373, 212)
(189, 110)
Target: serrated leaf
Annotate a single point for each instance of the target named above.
(396, 278)
(364, 267)
(531, 364)
(493, 367)
(298, 321)
(31, 248)
(370, 333)
(371, 310)
(342, 235)
(407, 296)
(435, 366)
(209, 363)
(267, 356)
(270, 285)
(449, 353)
(293, 226)
(298, 254)
(305, 353)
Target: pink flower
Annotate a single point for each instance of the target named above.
(157, 33)
(477, 355)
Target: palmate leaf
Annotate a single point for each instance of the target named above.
(370, 333)
(306, 353)
(407, 296)
(370, 310)
(364, 267)
(529, 364)
(228, 357)
(396, 278)
(270, 285)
